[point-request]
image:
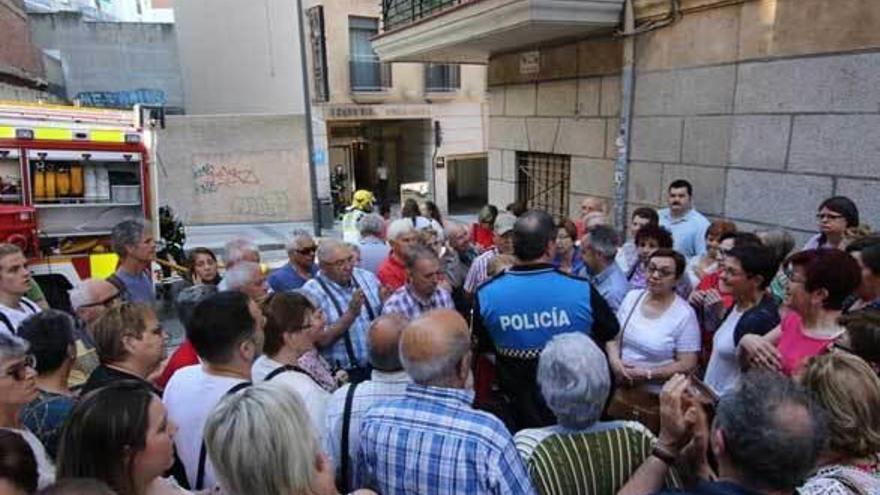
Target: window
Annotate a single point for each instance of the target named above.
(442, 78)
(366, 72)
(543, 181)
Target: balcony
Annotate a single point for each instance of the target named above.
(469, 31)
(369, 76)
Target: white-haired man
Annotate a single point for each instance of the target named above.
(392, 271)
(249, 278)
(236, 251)
(399, 442)
(301, 266)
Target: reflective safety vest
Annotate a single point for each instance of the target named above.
(350, 231)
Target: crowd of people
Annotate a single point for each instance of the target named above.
(419, 355)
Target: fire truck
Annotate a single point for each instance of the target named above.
(67, 176)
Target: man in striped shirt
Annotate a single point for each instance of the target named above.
(432, 441)
(503, 245)
(422, 292)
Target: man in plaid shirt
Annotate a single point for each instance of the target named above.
(422, 292)
(431, 441)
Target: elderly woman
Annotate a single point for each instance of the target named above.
(290, 332)
(849, 391)
(575, 382)
(820, 281)
(836, 217)
(568, 255)
(659, 334)
(372, 244)
(482, 233)
(270, 417)
(648, 239)
(18, 387)
(120, 434)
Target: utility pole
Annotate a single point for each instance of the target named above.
(310, 138)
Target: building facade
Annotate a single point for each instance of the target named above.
(22, 74)
(418, 123)
(766, 106)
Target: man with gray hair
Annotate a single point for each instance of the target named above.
(575, 382)
(422, 291)
(236, 251)
(350, 298)
(248, 278)
(598, 250)
(89, 300)
(134, 243)
(432, 440)
(300, 268)
(401, 235)
(372, 245)
(387, 382)
(766, 437)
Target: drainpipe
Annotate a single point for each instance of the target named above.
(627, 80)
(310, 138)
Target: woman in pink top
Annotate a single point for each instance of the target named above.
(819, 281)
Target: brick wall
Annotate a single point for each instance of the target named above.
(18, 57)
(767, 107)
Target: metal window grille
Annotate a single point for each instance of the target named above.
(397, 13)
(543, 182)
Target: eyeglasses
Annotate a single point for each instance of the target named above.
(660, 271)
(308, 250)
(19, 371)
(828, 216)
(106, 302)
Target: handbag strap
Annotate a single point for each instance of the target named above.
(349, 347)
(203, 451)
(346, 428)
(629, 315)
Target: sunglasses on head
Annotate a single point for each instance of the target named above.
(19, 371)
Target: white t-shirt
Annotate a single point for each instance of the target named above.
(45, 467)
(651, 343)
(723, 369)
(190, 396)
(17, 315)
(313, 396)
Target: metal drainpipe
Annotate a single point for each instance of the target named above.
(310, 138)
(627, 80)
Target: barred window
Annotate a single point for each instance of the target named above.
(543, 181)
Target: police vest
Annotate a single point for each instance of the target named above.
(523, 309)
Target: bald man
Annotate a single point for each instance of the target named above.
(387, 382)
(89, 300)
(402, 436)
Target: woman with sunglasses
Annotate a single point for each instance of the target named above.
(836, 217)
(121, 435)
(849, 391)
(659, 334)
(18, 387)
(291, 331)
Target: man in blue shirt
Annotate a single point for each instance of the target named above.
(688, 226)
(135, 245)
(301, 267)
(598, 249)
(432, 440)
(517, 312)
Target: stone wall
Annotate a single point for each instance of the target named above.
(766, 106)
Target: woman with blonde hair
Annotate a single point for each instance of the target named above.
(288, 460)
(849, 391)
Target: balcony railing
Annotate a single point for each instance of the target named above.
(396, 13)
(442, 78)
(368, 74)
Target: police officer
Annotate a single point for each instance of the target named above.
(517, 312)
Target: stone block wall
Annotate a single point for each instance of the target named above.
(767, 107)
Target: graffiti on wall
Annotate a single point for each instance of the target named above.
(208, 178)
(271, 204)
(121, 99)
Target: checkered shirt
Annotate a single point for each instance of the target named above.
(335, 353)
(406, 302)
(432, 442)
(477, 273)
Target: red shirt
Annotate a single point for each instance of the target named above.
(392, 273)
(184, 356)
(482, 237)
